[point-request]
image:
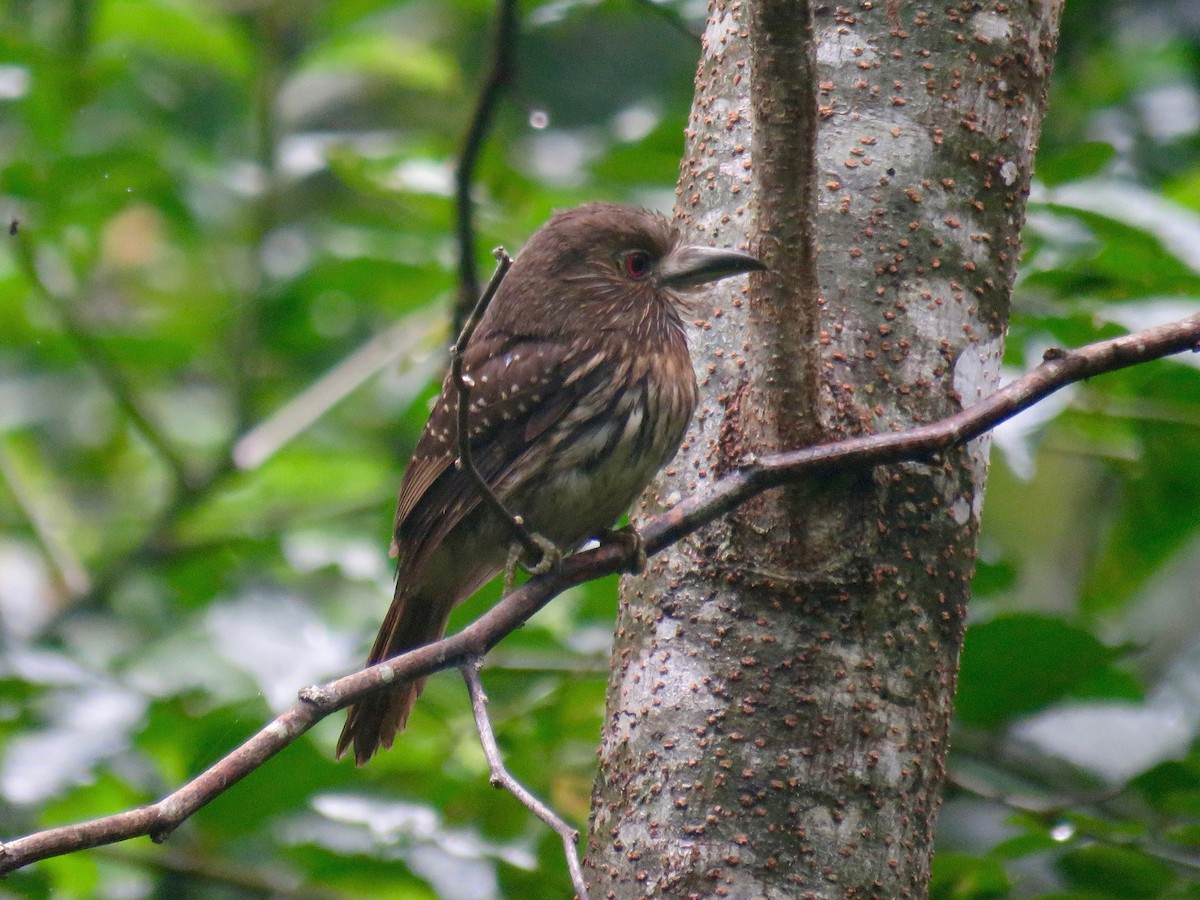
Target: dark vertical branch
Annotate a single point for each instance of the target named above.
(783, 98)
(79, 29)
(500, 75)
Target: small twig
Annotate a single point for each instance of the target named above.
(501, 778)
(161, 818)
(500, 75)
(96, 356)
(533, 548)
(503, 264)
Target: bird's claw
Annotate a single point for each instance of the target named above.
(550, 559)
(635, 546)
(510, 568)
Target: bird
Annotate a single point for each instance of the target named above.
(582, 388)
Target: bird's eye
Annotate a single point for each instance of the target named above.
(637, 264)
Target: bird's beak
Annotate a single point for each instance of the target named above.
(690, 265)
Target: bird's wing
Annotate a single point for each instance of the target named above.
(522, 387)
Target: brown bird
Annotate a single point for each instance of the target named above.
(583, 388)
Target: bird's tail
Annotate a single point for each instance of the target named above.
(413, 620)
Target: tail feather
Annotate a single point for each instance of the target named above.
(412, 621)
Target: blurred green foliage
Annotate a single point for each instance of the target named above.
(235, 242)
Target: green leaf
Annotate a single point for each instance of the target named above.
(1186, 836)
(1024, 845)
(1075, 162)
(1130, 262)
(175, 29)
(1118, 872)
(993, 578)
(1159, 492)
(1172, 787)
(1016, 664)
(392, 57)
(959, 877)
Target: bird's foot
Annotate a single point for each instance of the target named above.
(510, 568)
(550, 559)
(635, 546)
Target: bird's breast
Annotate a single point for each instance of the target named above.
(606, 450)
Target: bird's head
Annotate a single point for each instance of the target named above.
(604, 262)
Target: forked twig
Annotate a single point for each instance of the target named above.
(501, 778)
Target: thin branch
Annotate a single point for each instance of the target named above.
(1060, 369)
(534, 551)
(97, 357)
(500, 75)
(501, 778)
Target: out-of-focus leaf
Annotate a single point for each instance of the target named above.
(991, 578)
(1109, 684)
(393, 57)
(1130, 263)
(1075, 162)
(960, 877)
(1118, 872)
(105, 795)
(1016, 664)
(1024, 845)
(292, 487)
(1186, 836)
(1156, 513)
(1172, 787)
(653, 160)
(1113, 829)
(73, 876)
(175, 29)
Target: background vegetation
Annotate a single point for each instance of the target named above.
(221, 319)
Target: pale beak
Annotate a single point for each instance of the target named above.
(690, 265)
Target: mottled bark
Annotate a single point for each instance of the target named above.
(783, 680)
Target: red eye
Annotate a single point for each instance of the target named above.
(637, 265)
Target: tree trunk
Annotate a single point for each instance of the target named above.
(782, 682)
